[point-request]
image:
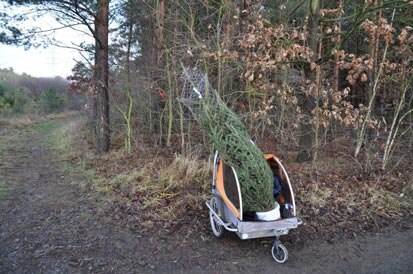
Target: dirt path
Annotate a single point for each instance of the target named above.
(48, 224)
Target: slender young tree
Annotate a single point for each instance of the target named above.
(307, 103)
(124, 53)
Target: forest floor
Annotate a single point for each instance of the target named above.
(52, 221)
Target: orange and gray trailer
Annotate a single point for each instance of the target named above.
(226, 212)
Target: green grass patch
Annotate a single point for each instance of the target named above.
(4, 191)
(3, 145)
(78, 171)
(67, 136)
(67, 139)
(47, 126)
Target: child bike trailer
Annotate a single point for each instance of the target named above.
(226, 213)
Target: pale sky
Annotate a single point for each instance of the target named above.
(44, 62)
(48, 62)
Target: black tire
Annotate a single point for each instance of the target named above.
(280, 253)
(217, 228)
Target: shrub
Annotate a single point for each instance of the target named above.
(51, 101)
(14, 101)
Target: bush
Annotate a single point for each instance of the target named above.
(3, 90)
(51, 101)
(14, 101)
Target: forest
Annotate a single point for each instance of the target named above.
(24, 94)
(325, 85)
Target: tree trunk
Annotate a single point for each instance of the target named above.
(128, 112)
(156, 71)
(228, 28)
(101, 78)
(307, 102)
(336, 53)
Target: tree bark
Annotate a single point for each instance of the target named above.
(336, 53)
(307, 102)
(159, 35)
(228, 28)
(101, 78)
(128, 113)
(158, 69)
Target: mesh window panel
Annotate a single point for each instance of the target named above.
(230, 186)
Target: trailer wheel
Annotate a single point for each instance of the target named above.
(216, 227)
(279, 253)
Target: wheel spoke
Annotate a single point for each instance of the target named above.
(279, 253)
(216, 226)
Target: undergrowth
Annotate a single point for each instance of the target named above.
(153, 186)
(159, 189)
(344, 201)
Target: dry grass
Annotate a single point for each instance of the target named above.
(24, 120)
(19, 121)
(407, 189)
(69, 137)
(384, 201)
(153, 185)
(343, 199)
(316, 196)
(162, 188)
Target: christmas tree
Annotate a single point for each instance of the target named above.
(231, 139)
